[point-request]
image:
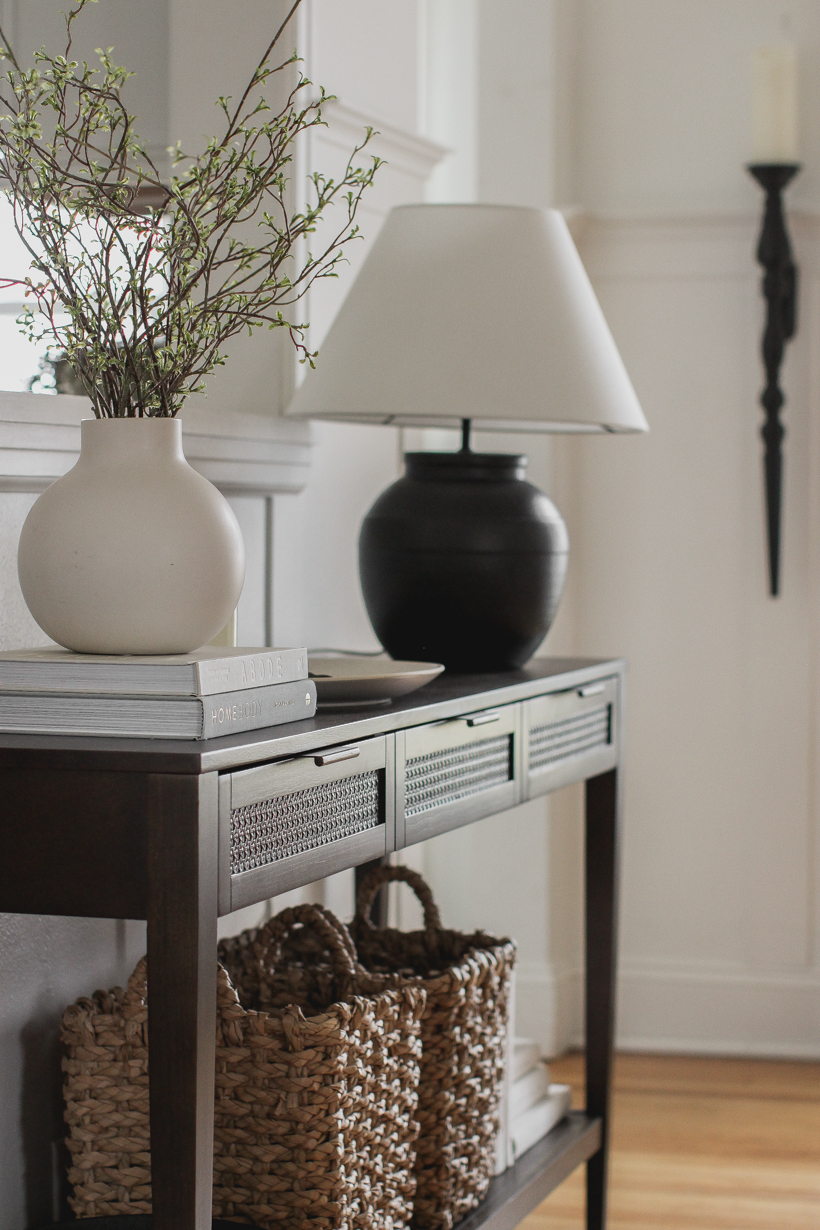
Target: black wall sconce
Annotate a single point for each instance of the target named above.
(774, 253)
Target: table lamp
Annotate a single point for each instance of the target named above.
(468, 315)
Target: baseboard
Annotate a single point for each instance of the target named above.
(733, 1049)
(670, 1007)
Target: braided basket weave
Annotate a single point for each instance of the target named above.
(315, 1102)
(463, 1032)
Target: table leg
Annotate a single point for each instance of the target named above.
(182, 911)
(601, 937)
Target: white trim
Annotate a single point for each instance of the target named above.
(735, 1048)
(404, 151)
(693, 247)
(242, 454)
(718, 1008)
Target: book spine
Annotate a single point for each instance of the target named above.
(529, 1089)
(252, 708)
(534, 1124)
(257, 670)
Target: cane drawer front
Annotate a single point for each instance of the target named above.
(291, 822)
(457, 771)
(570, 735)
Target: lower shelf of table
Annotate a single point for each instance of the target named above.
(519, 1190)
(512, 1195)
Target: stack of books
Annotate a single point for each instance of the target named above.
(536, 1105)
(200, 695)
(533, 1104)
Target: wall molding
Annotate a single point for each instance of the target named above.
(402, 150)
(708, 1008)
(671, 1007)
(242, 454)
(688, 247)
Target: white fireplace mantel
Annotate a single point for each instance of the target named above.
(242, 454)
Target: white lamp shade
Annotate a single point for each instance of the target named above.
(481, 312)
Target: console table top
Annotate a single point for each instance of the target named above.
(439, 700)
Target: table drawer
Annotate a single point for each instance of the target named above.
(294, 821)
(569, 735)
(451, 773)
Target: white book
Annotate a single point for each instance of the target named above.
(203, 672)
(529, 1089)
(156, 717)
(527, 1129)
(526, 1054)
(502, 1141)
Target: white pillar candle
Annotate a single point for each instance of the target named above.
(774, 104)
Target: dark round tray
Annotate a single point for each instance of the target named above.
(135, 1221)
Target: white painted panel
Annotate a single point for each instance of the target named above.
(251, 515)
(665, 102)
(366, 53)
(719, 911)
(17, 628)
(45, 964)
(352, 465)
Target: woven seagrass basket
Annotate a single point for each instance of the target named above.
(315, 1105)
(463, 1032)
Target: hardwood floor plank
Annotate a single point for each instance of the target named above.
(702, 1144)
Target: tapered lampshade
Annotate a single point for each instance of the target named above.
(480, 312)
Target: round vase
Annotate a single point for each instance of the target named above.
(132, 551)
(463, 562)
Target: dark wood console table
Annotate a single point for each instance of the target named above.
(179, 833)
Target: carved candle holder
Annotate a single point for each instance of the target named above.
(774, 253)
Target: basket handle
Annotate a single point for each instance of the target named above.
(374, 880)
(137, 989)
(268, 946)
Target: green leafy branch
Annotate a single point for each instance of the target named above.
(141, 282)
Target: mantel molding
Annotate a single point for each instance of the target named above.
(241, 454)
(404, 151)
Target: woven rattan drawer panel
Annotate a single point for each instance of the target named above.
(289, 824)
(295, 821)
(568, 736)
(456, 773)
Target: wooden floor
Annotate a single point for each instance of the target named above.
(702, 1144)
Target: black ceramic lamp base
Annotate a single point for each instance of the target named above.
(462, 561)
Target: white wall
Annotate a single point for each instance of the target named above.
(719, 944)
(637, 115)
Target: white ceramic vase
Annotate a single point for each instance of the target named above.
(132, 551)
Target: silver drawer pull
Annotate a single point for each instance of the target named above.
(483, 719)
(592, 689)
(336, 754)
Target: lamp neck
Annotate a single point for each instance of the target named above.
(465, 467)
(465, 435)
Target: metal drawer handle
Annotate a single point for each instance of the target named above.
(483, 719)
(336, 754)
(592, 689)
